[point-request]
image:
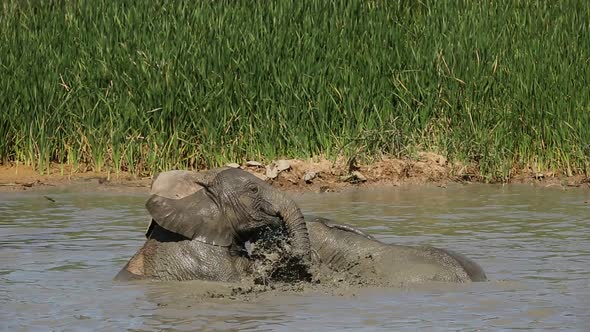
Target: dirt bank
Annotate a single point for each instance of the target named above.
(315, 175)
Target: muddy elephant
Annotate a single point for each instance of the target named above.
(346, 253)
(200, 223)
(189, 238)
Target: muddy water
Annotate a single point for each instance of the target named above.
(57, 260)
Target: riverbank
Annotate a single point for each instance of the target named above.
(295, 175)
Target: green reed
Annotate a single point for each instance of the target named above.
(131, 85)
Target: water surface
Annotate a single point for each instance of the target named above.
(58, 258)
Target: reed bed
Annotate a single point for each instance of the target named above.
(143, 87)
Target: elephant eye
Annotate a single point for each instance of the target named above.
(254, 189)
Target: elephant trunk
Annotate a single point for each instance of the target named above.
(295, 224)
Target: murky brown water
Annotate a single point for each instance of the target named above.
(57, 261)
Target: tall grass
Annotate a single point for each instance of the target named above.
(132, 85)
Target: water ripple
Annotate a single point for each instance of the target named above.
(57, 260)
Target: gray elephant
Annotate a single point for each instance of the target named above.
(182, 210)
(344, 253)
(201, 222)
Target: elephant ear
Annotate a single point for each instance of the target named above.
(342, 227)
(177, 184)
(195, 217)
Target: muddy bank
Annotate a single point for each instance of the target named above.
(314, 175)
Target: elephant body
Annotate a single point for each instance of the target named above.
(202, 221)
(168, 256)
(350, 254)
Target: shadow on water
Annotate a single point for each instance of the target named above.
(58, 257)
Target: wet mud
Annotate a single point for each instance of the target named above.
(312, 175)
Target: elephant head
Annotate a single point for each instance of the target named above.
(224, 207)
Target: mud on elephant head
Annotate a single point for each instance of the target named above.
(223, 207)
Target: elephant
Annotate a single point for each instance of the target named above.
(201, 221)
(348, 254)
(188, 239)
